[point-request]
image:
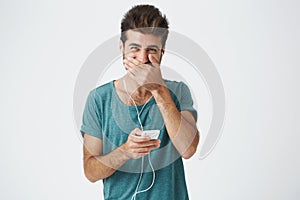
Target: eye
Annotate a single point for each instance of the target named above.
(152, 50)
(134, 48)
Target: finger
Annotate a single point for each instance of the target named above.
(152, 59)
(140, 139)
(142, 151)
(136, 131)
(132, 71)
(135, 62)
(146, 144)
(137, 65)
(145, 149)
(135, 136)
(129, 63)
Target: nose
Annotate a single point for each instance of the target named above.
(143, 56)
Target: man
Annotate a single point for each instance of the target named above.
(117, 114)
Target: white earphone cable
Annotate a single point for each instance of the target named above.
(142, 165)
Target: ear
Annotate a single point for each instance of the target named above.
(121, 46)
(162, 51)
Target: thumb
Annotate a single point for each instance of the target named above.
(152, 59)
(137, 131)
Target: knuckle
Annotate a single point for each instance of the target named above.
(130, 145)
(147, 149)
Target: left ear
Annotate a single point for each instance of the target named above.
(162, 51)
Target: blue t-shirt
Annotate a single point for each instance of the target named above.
(108, 118)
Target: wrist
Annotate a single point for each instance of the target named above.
(159, 90)
(124, 152)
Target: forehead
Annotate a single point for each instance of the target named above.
(142, 39)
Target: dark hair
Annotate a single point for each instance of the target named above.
(146, 19)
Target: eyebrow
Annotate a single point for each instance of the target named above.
(150, 46)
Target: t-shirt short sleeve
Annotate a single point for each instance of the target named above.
(186, 101)
(91, 118)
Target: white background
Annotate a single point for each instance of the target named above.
(254, 45)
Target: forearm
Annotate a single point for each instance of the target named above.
(182, 132)
(103, 166)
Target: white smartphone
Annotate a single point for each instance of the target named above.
(153, 134)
